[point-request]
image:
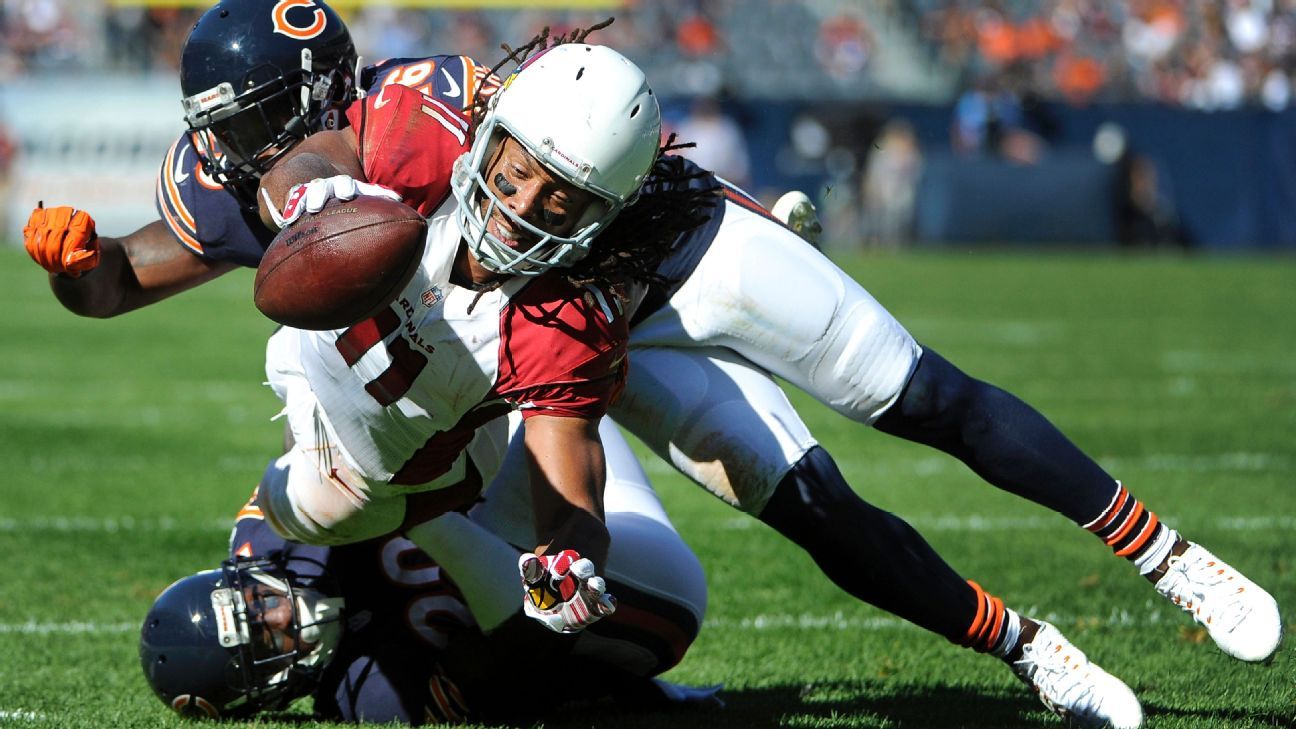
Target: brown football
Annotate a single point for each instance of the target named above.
(341, 265)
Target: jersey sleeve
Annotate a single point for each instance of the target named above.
(457, 81)
(408, 142)
(201, 215)
(562, 349)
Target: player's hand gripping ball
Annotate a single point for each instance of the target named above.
(62, 240)
(344, 256)
(562, 591)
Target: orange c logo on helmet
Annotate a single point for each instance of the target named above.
(187, 705)
(281, 24)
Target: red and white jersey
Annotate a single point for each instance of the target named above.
(402, 394)
(408, 142)
(405, 391)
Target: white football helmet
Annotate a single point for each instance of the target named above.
(587, 114)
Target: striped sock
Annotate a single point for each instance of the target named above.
(1133, 532)
(995, 629)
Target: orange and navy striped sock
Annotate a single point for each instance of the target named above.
(1133, 532)
(995, 629)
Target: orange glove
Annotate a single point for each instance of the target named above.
(62, 240)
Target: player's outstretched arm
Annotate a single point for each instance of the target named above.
(104, 277)
(567, 479)
(319, 156)
(560, 581)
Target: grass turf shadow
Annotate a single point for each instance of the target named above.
(853, 704)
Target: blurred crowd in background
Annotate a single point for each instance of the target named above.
(992, 64)
(1197, 53)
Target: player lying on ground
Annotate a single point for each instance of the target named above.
(377, 631)
(836, 347)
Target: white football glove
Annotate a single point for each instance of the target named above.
(309, 197)
(562, 592)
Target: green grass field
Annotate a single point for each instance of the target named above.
(126, 446)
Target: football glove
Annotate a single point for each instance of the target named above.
(62, 240)
(309, 197)
(562, 591)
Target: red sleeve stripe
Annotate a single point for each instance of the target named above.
(458, 133)
(457, 116)
(185, 237)
(735, 195)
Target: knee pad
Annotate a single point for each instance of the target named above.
(720, 420)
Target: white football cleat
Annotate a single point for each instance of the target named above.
(796, 211)
(1238, 614)
(1073, 688)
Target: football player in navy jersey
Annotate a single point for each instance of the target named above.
(700, 395)
(377, 631)
(296, 70)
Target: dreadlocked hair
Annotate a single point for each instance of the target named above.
(644, 233)
(541, 41)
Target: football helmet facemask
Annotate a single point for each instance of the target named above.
(584, 112)
(240, 639)
(257, 78)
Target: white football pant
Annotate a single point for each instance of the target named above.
(761, 302)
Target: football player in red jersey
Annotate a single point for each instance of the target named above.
(514, 295)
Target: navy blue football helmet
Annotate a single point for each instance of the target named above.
(247, 637)
(257, 77)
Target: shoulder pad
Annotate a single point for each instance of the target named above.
(456, 81)
(202, 216)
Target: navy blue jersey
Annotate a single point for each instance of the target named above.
(202, 216)
(209, 222)
(692, 245)
(401, 610)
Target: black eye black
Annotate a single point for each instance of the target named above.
(552, 218)
(503, 185)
